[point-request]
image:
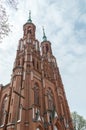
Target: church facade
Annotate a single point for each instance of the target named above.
(35, 98)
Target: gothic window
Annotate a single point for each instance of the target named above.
(3, 111)
(36, 94)
(36, 110)
(50, 99)
(51, 107)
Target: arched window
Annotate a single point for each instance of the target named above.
(36, 108)
(51, 107)
(36, 94)
(50, 99)
(3, 110)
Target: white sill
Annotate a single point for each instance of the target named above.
(19, 121)
(1, 125)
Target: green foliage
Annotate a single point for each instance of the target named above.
(78, 121)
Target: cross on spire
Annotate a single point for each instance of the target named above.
(44, 36)
(29, 20)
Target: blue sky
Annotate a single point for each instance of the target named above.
(65, 25)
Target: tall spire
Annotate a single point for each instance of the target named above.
(29, 20)
(44, 36)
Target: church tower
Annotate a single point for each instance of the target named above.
(35, 98)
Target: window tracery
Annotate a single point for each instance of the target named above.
(36, 108)
(51, 107)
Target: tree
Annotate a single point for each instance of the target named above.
(4, 24)
(12, 3)
(78, 121)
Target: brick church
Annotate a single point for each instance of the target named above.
(35, 98)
